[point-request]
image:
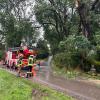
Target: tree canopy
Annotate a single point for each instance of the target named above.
(69, 26)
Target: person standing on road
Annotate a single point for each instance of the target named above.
(39, 65)
(19, 63)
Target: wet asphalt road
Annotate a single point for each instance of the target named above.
(76, 88)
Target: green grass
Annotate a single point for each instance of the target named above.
(90, 75)
(62, 72)
(13, 88)
(74, 74)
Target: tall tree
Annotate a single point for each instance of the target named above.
(55, 16)
(15, 23)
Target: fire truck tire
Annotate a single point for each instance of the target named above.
(13, 66)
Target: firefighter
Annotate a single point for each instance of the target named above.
(31, 64)
(19, 63)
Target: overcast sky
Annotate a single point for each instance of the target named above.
(29, 11)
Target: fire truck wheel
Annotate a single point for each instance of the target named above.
(7, 66)
(27, 76)
(13, 66)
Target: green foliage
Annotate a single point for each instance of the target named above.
(19, 30)
(55, 19)
(1, 54)
(75, 49)
(92, 54)
(60, 19)
(42, 46)
(62, 24)
(97, 38)
(14, 24)
(67, 74)
(60, 60)
(76, 44)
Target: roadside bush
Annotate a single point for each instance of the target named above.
(66, 60)
(1, 55)
(75, 50)
(94, 58)
(78, 51)
(60, 60)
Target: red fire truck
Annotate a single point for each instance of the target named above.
(21, 59)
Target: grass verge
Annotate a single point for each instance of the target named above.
(62, 72)
(13, 88)
(74, 74)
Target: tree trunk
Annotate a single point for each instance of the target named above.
(84, 18)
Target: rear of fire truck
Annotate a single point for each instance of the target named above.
(26, 63)
(11, 57)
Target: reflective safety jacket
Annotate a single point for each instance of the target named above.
(19, 63)
(30, 61)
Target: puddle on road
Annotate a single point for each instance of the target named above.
(45, 70)
(44, 73)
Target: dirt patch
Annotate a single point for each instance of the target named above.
(37, 94)
(96, 82)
